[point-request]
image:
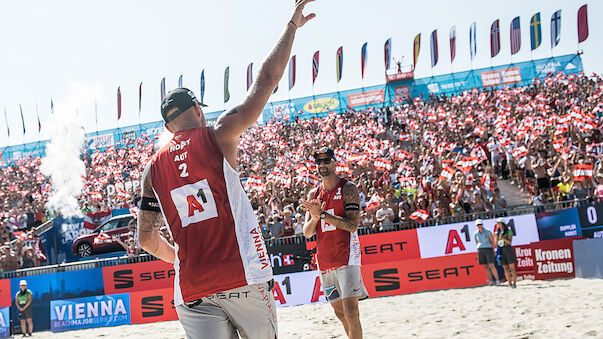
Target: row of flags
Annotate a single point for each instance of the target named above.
(23, 119)
(515, 36)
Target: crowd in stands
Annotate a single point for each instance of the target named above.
(426, 158)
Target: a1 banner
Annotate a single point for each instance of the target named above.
(153, 305)
(525, 262)
(150, 275)
(553, 259)
(297, 289)
(4, 322)
(97, 311)
(384, 247)
(409, 276)
(453, 239)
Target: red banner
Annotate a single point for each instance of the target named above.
(153, 305)
(6, 299)
(525, 262)
(553, 259)
(409, 276)
(138, 277)
(386, 247)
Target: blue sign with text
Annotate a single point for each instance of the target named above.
(98, 311)
(4, 322)
(558, 224)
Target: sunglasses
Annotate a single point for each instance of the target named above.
(325, 161)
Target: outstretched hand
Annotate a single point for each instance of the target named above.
(298, 18)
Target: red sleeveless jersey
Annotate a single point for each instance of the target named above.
(219, 245)
(335, 247)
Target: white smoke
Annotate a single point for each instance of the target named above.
(62, 162)
(164, 138)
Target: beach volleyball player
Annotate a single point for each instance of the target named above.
(333, 213)
(223, 275)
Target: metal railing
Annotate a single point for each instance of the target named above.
(289, 240)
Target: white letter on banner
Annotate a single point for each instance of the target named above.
(110, 190)
(119, 307)
(92, 310)
(106, 307)
(80, 311)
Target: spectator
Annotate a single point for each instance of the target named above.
(276, 226)
(385, 217)
(9, 259)
(498, 201)
(29, 259)
(23, 300)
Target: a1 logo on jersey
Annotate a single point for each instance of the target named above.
(325, 226)
(338, 194)
(194, 202)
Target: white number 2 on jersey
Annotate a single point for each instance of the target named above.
(325, 226)
(182, 167)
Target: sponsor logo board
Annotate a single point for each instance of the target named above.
(321, 105)
(402, 92)
(138, 277)
(553, 259)
(97, 311)
(366, 98)
(4, 322)
(153, 305)
(558, 224)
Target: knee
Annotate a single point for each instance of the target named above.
(352, 315)
(340, 314)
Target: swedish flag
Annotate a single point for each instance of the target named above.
(535, 31)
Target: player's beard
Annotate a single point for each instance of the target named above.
(324, 171)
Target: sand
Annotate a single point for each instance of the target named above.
(566, 308)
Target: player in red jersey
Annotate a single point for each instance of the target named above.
(333, 213)
(223, 274)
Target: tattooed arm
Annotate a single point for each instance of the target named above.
(149, 223)
(351, 201)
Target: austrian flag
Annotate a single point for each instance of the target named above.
(254, 181)
(383, 164)
(519, 152)
(583, 172)
(466, 164)
(375, 201)
(447, 173)
(488, 182)
(420, 216)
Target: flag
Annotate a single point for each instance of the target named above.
(51, 106)
(94, 219)
(535, 31)
(583, 172)
(139, 98)
(382, 164)
(315, 67)
(555, 28)
(515, 36)
(202, 86)
(582, 24)
(420, 216)
(292, 72)
(488, 182)
(22, 120)
(39, 123)
(118, 103)
(363, 59)
(226, 76)
(249, 75)
(466, 164)
(6, 120)
(162, 88)
(434, 47)
(447, 173)
(339, 63)
(416, 48)
(374, 202)
(452, 43)
(495, 38)
(387, 53)
(472, 43)
(180, 81)
(519, 152)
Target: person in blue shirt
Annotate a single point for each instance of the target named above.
(484, 241)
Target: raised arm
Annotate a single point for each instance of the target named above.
(232, 123)
(149, 222)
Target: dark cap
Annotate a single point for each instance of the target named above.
(325, 150)
(182, 98)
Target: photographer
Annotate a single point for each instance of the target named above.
(504, 235)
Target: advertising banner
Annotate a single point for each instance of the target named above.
(66, 230)
(53, 286)
(553, 259)
(4, 322)
(98, 311)
(408, 276)
(153, 305)
(366, 98)
(452, 239)
(6, 297)
(591, 220)
(287, 258)
(142, 276)
(297, 289)
(525, 262)
(558, 224)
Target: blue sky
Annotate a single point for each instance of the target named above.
(79, 52)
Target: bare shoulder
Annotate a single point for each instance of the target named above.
(147, 182)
